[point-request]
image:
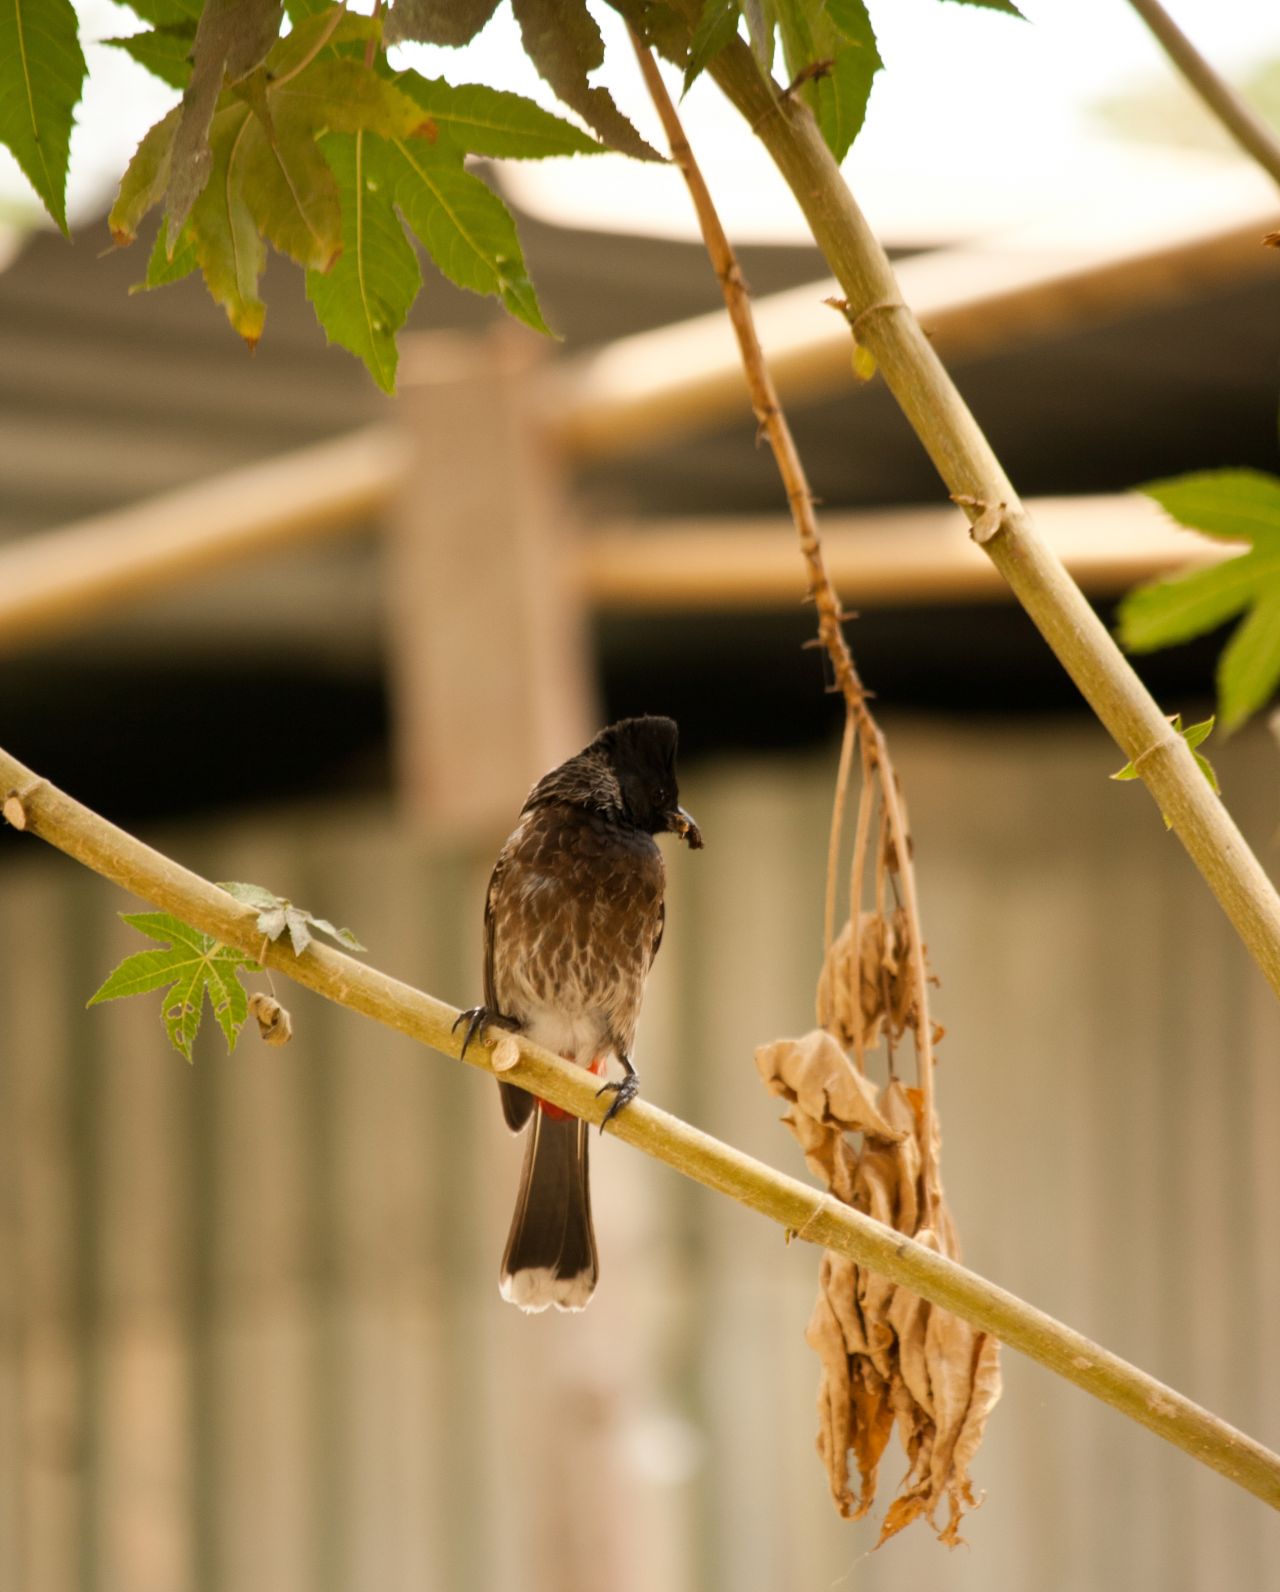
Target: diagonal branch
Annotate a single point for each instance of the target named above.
(32, 804)
(1244, 124)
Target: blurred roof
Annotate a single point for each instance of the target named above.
(1088, 387)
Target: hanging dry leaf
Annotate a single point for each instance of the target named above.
(888, 1357)
(885, 989)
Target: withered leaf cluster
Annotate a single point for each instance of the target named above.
(888, 1357)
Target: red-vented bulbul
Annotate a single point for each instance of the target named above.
(572, 922)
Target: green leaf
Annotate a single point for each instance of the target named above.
(452, 22)
(563, 42)
(164, 51)
(466, 229)
(192, 966)
(363, 300)
(1240, 505)
(232, 38)
(42, 71)
(489, 121)
(831, 51)
(276, 914)
(227, 243)
(162, 269)
(290, 191)
(1177, 609)
(146, 177)
(167, 13)
(299, 10)
(1249, 669)
(717, 24)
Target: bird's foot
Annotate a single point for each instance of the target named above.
(480, 1017)
(623, 1090)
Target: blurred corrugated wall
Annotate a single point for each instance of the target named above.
(250, 1336)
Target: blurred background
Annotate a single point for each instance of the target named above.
(295, 633)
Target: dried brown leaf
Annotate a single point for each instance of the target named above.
(872, 1429)
(818, 1077)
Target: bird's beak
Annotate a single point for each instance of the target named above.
(680, 823)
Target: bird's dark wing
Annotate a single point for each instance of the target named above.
(657, 938)
(517, 1104)
(495, 881)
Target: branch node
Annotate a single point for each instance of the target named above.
(880, 307)
(987, 520)
(15, 810)
(802, 1232)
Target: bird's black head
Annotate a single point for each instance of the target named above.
(641, 753)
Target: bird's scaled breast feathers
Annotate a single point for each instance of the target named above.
(577, 907)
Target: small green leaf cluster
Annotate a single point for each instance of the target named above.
(190, 967)
(276, 916)
(318, 149)
(193, 966)
(1235, 506)
(1194, 735)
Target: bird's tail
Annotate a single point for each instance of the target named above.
(550, 1257)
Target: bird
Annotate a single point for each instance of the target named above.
(573, 919)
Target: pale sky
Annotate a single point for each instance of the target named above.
(979, 122)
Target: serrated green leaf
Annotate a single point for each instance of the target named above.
(191, 966)
(1240, 505)
(227, 242)
(342, 95)
(299, 10)
(321, 31)
(831, 49)
(290, 191)
(562, 40)
(166, 13)
(717, 23)
(489, 121)
(1165, 612)
(42, 72)
(162, 269)
(146, 177)
(466, 229)
(451, 22)
(363, 301)
(1249, 669)
(165, 51)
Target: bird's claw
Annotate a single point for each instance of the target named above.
(623, 1090)
(477, 1018)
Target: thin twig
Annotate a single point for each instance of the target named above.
(1239, 119)
(773, 422)
(838, 806)
(62, 822)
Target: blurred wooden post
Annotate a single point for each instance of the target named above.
(490, 669)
